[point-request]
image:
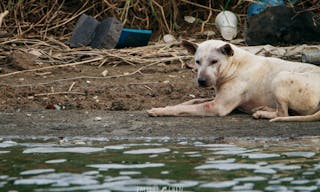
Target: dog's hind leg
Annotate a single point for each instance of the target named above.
(263, 108)
(298, 92)
(260, 114)
(313, 117)
(270, 113)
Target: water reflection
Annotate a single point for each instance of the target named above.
(157, 164)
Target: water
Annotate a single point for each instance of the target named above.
(158, 164)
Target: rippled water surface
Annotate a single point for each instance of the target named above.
(150, 165)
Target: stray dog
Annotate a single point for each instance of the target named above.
(262, 86)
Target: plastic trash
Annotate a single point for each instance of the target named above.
(133, 38)
(226, 22)
(259, 6)
(311, 57)
(108, 34)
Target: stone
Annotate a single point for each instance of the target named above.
(84, 31)
(107, 34)
(280, 25)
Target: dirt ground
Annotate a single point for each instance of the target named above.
(157, 85)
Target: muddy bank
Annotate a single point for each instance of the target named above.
(133, 124)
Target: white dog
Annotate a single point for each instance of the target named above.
(262, 86)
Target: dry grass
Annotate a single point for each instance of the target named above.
(44, 26)
(52, 54)
(43, 18)
(39, 18)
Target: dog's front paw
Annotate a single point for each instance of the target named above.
(155, 112)
(257, 115)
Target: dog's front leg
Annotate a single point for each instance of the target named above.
(184, 109)
(216, 107)
(191, 107)
(222, 105)
(196, 101)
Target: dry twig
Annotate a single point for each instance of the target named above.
(2, 15)
(55, 53)
(58, 93)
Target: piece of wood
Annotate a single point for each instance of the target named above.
(2, 15)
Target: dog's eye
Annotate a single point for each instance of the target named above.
(198, 62)
(213, 62)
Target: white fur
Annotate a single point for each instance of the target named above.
(262, 86)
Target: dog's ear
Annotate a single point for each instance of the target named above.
(227, 50)
(191, 47)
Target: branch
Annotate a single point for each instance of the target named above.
(2, 15)
(51, 67)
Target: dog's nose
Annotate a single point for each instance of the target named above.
(202, 82)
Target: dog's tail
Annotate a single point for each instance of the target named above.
(313, 117)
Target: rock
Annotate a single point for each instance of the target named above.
(119, 105)
(282, 25)
(107, 34)
(169, 38)
(22, 61)
(189, 19)
(97, 118)
(4, 34)
(84, 31)
(105, 73)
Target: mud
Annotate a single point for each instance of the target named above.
(135, 124)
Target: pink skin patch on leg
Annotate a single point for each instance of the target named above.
(207, 106)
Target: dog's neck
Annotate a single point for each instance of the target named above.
(230, 71)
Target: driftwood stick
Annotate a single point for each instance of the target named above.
(85, 77)
(51, 67)
(71, 86)
(59, 93)
(2, 15)
(208, 19)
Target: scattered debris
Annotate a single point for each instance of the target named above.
(257, 7)
(293, 53)
(119, 105)
(105, 73)
(2, 15)
(227, 22)
(56, 107)
(133, 38)
(107, 34)
(168, 38)
(311, 57)
(21, 60)
(2, 32)
(59, 56)
(97, 118)
(190, 19)
(209, 33)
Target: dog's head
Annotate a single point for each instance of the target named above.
(211, 57)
